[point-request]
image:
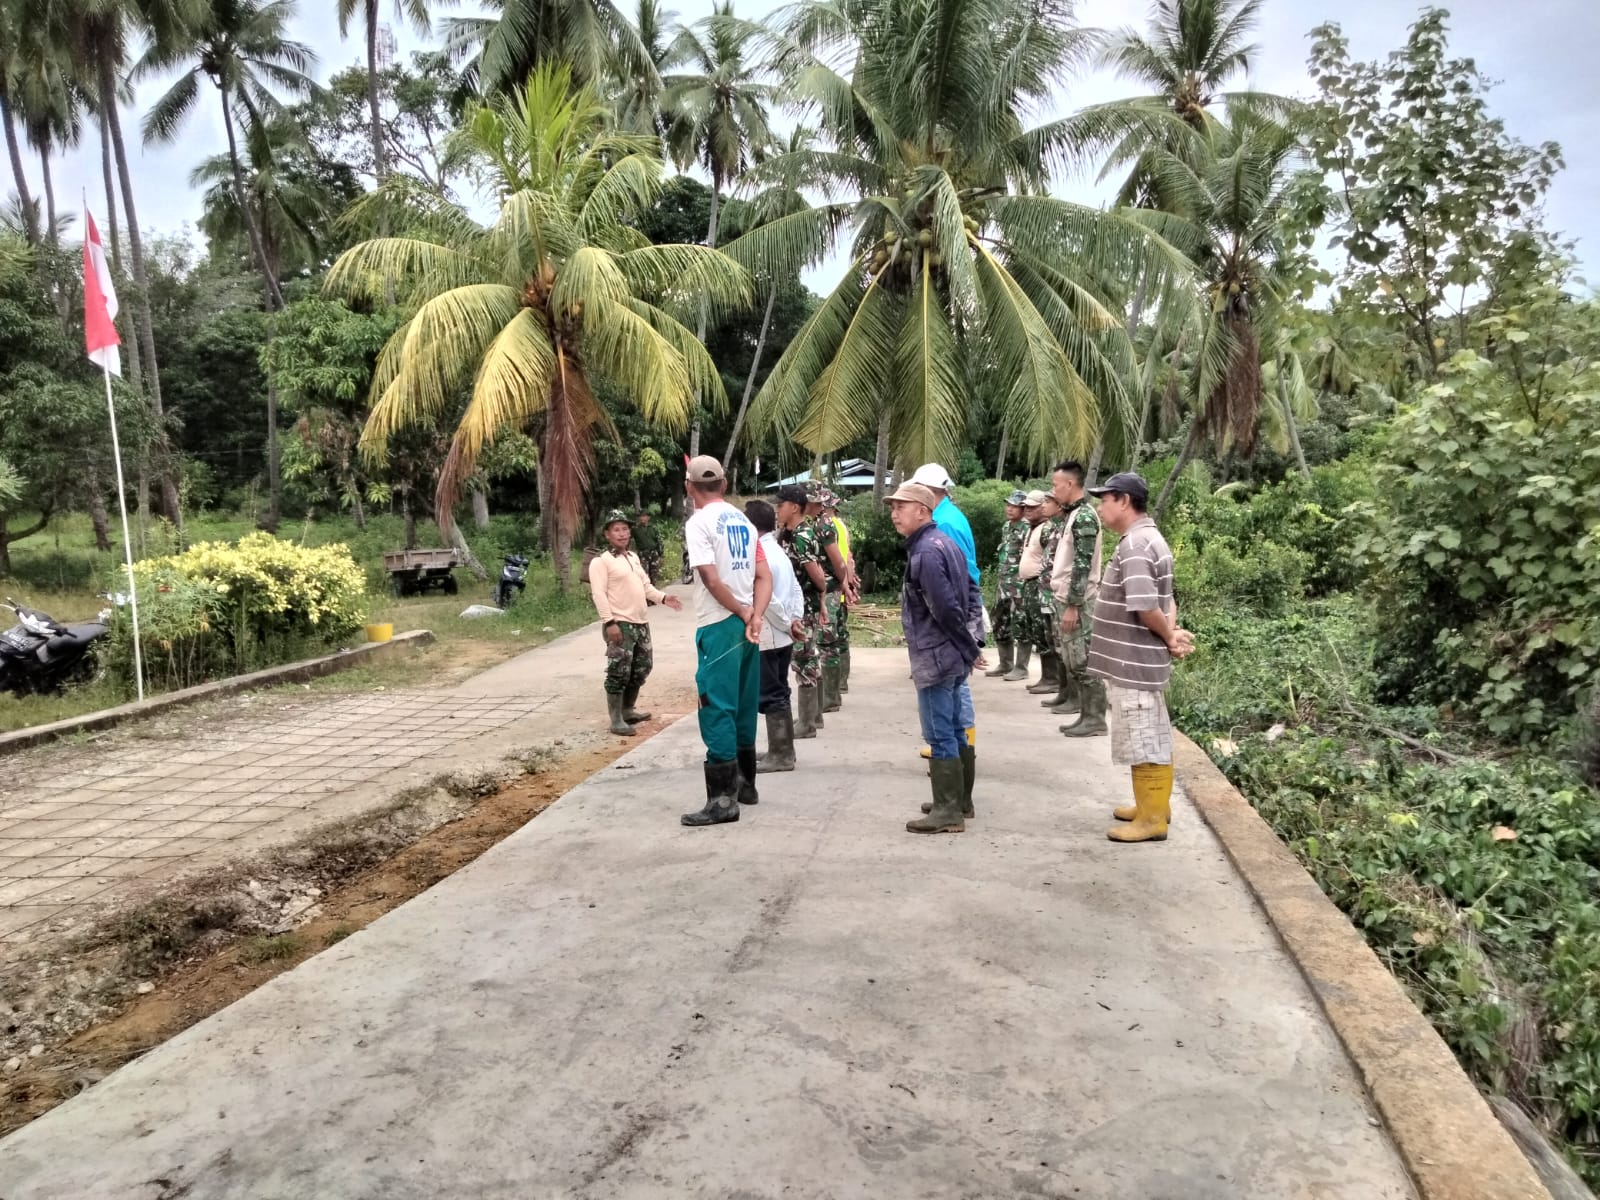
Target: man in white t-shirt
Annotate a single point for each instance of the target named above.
(732, 589)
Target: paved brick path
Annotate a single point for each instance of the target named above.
(77, 821)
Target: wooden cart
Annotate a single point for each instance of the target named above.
(413, 571)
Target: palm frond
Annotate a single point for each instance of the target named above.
(928, 402)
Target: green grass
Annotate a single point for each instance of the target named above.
(61, 573)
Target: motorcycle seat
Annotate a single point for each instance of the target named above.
(74, 637)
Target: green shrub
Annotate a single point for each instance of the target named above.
(220, 608)
(1477, 885)
(1487, 545)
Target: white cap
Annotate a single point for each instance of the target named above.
(934, 476)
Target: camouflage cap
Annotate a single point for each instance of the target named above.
(829, 498)
(615, 515)
(1018, 498)
(814, 490)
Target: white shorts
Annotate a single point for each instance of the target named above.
(1141, 730)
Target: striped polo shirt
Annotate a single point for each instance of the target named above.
(1139, 579)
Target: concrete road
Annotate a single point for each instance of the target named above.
(810, 1003)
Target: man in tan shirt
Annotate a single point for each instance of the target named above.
(622, 590)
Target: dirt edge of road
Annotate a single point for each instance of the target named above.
(145, 973)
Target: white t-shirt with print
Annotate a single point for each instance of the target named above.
(719, 535)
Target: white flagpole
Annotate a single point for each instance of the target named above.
(127, 541)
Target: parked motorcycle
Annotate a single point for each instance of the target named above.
(39, 654)
(513, 579)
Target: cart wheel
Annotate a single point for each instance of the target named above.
(451, 587)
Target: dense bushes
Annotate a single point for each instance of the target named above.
(1489, 555)
(1477, 884)
(219, 608)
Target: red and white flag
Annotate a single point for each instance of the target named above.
(99, 302)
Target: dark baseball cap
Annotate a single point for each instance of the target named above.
(1125, 483)
(792, 493)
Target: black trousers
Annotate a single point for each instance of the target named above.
(775, 680)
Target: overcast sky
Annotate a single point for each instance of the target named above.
(1541, 52)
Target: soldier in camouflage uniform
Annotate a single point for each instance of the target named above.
(622, 592)
(1047, 613)
(647, 544)
(844, 566)
(834, 640)
(798, 536)
(1013, 536)
(1028, 588)
(1075, 579)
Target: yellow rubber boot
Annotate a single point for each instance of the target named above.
(926, 752)
(1152, 805)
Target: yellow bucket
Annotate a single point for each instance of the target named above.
(380, 633)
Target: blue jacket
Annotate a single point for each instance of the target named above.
(953, 522)
(939, 609)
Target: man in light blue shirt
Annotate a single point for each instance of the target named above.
(953, 523)
(947, 516)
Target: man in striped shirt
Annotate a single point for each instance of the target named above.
(1136, 637)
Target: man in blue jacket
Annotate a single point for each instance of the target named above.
(942, 617)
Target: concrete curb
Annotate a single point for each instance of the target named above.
(1448, 1138)
(300, 672)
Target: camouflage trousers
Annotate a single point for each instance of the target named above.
(838, 614)
(629, 661)
(650, 560)
(808, 651)
(1074, 650)
(1034, 623)
(1007, 626)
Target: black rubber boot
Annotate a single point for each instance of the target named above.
(1066, 692)
(1019, 669)
(722, 791)
(747, 775)
(969, 775)
(806, 702)
(844, 670)
(780, 744)
(831, 701)
(945, 814)
(630, 714)
(1003, 667)
(1049, 674)
(1091, 720)
(619, 725)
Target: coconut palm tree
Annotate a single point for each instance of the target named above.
(290, 199)
(639, 96)
(15, 55)
(961, 265)
(413, 11)
(562, 291)
(593, 37)
(243, 49)
(716, 115)
(1232, 202)
(98, 35)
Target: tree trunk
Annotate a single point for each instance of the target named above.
(480, 507)
(1000, 458)
(358, 510)
(141, 288)
(410, 519)
(274, 464)
(30, 218)
(98, 517)
(561, 556)
(750, 382)
(705, 313)
(458, 540)
(1289, 421)
(50, 234)
(880, 463)
(247, 210)
(1091, 474)
(373, 107)
(1190, 445)
(135, 367)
